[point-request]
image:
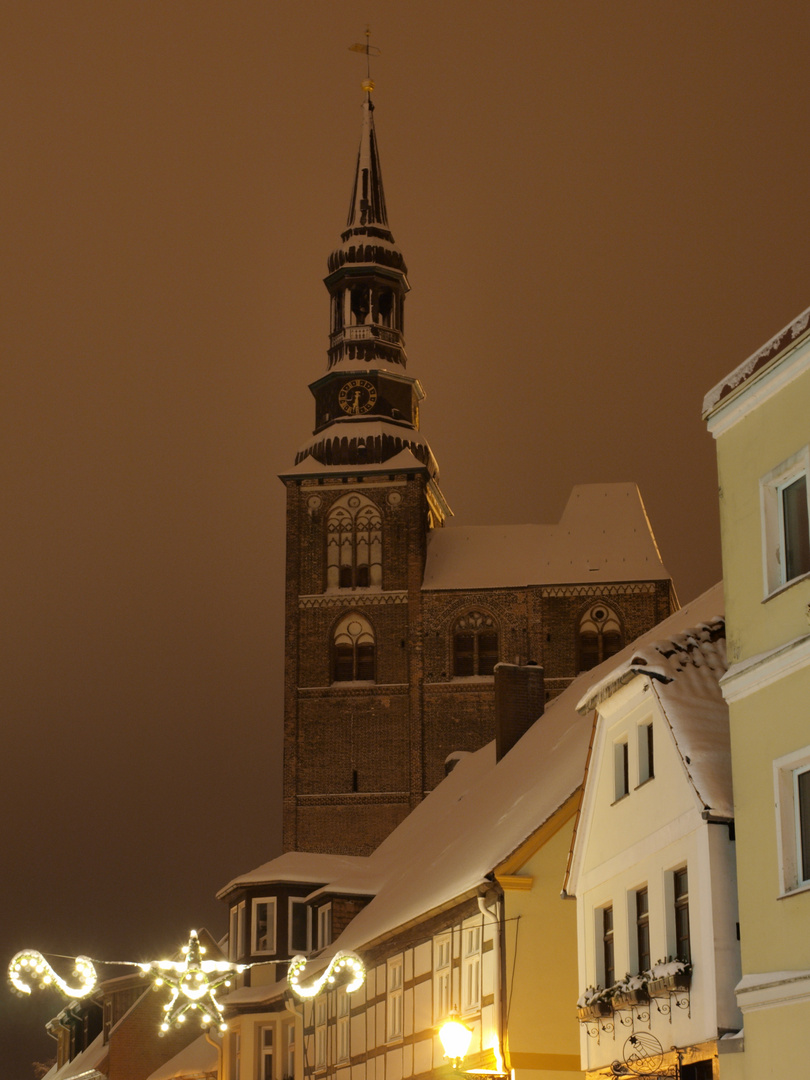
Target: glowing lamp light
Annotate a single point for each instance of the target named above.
(342, 963)
(455, 1039)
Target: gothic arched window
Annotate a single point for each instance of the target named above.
(353, 651)
(600, 635)
(475, 644)
(353, 544)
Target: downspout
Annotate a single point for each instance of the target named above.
(218, 1046)
(493, 916)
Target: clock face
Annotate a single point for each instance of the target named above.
(357, 396)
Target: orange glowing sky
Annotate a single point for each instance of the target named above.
(603, 211)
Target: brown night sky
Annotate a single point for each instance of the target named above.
(603, 208)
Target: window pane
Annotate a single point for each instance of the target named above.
(611, 643)
(344, 663)
(588, 651)
(463, 654)
(607, 946)
(487, 653)
(797, 529)
(365, 661)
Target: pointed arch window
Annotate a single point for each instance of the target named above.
(353, 544)
(353, 650)
(475, 644)
(600, 635)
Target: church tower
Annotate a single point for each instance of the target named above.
(361, 500)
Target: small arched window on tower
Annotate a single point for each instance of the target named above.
(600, 635)
(353, 651)
(353, 543)
(475, 644)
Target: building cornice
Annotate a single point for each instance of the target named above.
(771, 989)
(781, 370)
(762, 670)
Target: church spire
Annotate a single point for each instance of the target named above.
(367, 206)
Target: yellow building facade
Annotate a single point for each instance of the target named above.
(759, 416)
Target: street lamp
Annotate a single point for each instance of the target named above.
(455, 1038)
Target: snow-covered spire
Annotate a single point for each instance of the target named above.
(367, 206)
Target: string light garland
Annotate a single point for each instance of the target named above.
(341, 962)
(193, 981)
(32, 964)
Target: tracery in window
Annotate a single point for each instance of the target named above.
(353, 649)
(353, 543)
(475, 644)
(600, 635)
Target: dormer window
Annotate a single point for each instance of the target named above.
(263, 927)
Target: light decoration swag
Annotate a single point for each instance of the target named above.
(193, 981)
(341, 963)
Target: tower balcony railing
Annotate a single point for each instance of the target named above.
(366, 333)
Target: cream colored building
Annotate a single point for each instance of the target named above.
(759, 416)
(652, 864)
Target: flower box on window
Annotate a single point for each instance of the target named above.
(629, 996)
(677, 982)
(595, 1010)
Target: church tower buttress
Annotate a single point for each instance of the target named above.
(361, 499)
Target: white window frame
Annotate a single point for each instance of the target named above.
(236, 1060)
(343, 1025)
(324, 925)
(394, 998)
(621, 768)
(289, 1051)
(270, 901)
(265, 1050)
(442, 976)
(788, 827)
(646, 760)
(771, 488)
(236, 931)
(292, 903)
(321, 1017)
(471, 942)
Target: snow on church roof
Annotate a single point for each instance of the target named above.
(603, 535)
(685, 658)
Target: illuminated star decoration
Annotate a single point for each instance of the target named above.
(32, 964)
(340, 962)
(193, 982)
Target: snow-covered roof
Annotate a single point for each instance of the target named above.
(478, 816)
(404, 461)
(87, 1063)
(757, 361)
(298, 867)
(603, 535)
(255, 995)
(198, 1059)
(685, 657)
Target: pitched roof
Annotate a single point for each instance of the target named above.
(297, 867)
(685, 657)
(603, 535)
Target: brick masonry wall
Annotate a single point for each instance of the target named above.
(358, 756)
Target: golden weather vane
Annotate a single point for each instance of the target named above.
(370, 50)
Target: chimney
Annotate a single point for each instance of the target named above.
(520, 698)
